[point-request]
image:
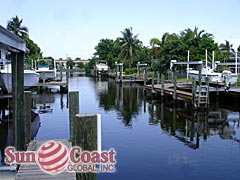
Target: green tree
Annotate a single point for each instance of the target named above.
(90, 65)
(129, 44)
(34, 52)
(108, 49)
(226, 49)
(174, 46)
(70, 63)
(16, 27)
(80, 65)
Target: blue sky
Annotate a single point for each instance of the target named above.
(74, 27)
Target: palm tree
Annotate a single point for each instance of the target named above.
(155, 50)
(226, 49)
(158, 45)
(16, 27)
(129, 45)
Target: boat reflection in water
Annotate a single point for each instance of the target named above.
(7, 134)
(190, 126)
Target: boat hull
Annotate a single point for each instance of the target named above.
(46, 74)
(31, 78)
(213, 77)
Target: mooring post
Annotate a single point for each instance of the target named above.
(207, 84)
(138, 69)
(61, 74)
(67, 79)
(162, 82)
(200, 84)
(145, 77)
(153, 83)
(116, 69)
(145, 82)
(44, 80)
(73, 110)
(18, 98)
(86, 131)
(193, 92)
(174, 85)
(27, 115)
(86, 138)
(121, 72)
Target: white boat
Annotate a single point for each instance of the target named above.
(44, 69)
(31, 78)
(214, 77)
(101, 68)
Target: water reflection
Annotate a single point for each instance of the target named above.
(7, 133)
(189, 126)
(124, 98)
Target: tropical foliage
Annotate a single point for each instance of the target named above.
(176, 46)
(16, 27)
(34, 52)
(70, 63)
(226, 49)
(108, 49)
(129, 44)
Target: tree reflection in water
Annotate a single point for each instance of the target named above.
(126, 99)
(176, 119)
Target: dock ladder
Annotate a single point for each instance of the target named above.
(202, 96)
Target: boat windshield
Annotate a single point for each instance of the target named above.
(44, 64)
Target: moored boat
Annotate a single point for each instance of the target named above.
(45, 70)
(226, 77)
(31, 78)
(101, 68)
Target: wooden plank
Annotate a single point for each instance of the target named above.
(32, 171)
(168, 89)
(53, 83)
(18, 98)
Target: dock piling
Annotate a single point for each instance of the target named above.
(27, 116)
(208, 98)
(152, 83)
(193, 92)
(158, 78)
(174, 85)
(162, 82)
(18, 98)
(67, 77)
(73, 110)
(61, 74)
(145, 82)
(86, 138)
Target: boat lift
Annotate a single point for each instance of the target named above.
(119, 68)
(139, 66)
(202, 90)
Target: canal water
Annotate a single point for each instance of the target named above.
(153, 140)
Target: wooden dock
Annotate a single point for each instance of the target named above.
(53, 83)
(169, 89)
(32, 171)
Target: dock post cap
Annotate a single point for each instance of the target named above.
(86, 115)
